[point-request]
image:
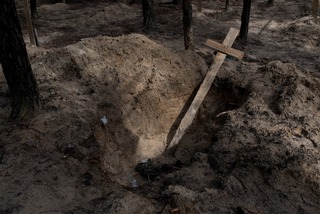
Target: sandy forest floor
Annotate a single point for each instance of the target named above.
(253, 147)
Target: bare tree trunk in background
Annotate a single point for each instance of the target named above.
(315, 8)
(15, 63)
(245, 19)
(149, 18)
(187, 24)
(227, 5)
(33, 8)
(199, 5)
(29, 22)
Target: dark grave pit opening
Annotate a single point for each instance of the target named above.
(224, 95)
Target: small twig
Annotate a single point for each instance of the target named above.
(174, 210)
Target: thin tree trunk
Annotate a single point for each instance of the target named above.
(149, 19)
(227, 4)
(15, 63)
(199, 5)
(33, 8)
(315, 8)
(245, 19)
(29, 22)
(187, 24)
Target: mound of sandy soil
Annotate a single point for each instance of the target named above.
(276, 141)
(303, 32)
(137, 84)
(143, 87)
(112, 13)
(52, 7)
(140, 87)
(262, 153)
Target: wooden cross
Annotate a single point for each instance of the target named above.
(205, 86)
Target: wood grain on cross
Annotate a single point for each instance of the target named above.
(204, 88)
(224, 49)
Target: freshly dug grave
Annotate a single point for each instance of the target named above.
(276, 142)
(258, 151)
(138, 85)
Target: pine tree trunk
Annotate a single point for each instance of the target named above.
(33, 8)
(245, 18)
(29, 22)
(15, 63)
(315, 8)
(187, 24)
(148, 13)
(199, 5)
(227, 5)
